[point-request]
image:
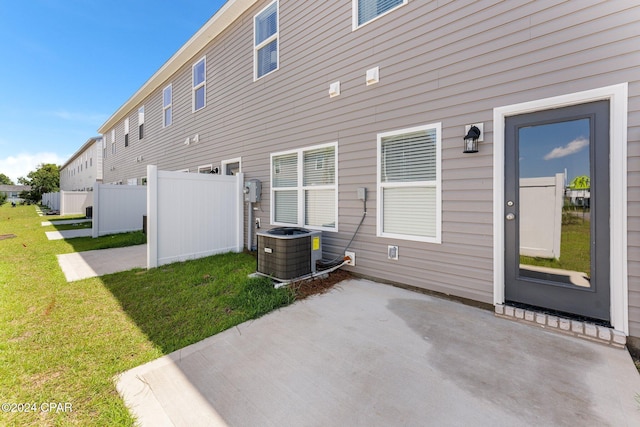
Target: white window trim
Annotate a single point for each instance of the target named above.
(224, 163)
(203, 167)
(127, 139)
(194, 88)
(166, 107)
(355, 14)
(265, 42)
(141, 121)
(438, 185)
(300, 188)
(618, 96)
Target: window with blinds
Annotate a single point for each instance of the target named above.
(265, 28)
(409, 184)
(304, 187)
(368, 10)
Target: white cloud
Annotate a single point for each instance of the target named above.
(571, 148)
(20, 165)
(83, 117)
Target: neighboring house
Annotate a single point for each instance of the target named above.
(13, 192)
(84, 168)
(320, 99)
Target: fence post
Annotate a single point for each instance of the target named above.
(152, 216)
(95, 221)
(62, 202)
(240, 216)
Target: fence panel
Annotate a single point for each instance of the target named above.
(75, 202)
(118, 208)
(51, 200)
(192, 215)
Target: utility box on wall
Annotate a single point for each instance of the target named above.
(252, 190)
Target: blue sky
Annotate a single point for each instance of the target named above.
(67, 65)
(546, 150)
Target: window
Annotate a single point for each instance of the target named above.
(141, 122)
(104, 146)
(200, 84)
(265, 30)
(166, 106)
(205, 169)
(126, 132)
(409, 197)
(113, 141)
(304, 187)
(231, 166)
(365, 11)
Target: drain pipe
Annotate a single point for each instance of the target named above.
(250, 226)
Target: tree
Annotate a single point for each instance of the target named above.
(5, 180)
(45, 179)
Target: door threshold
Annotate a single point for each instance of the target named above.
(580, 328)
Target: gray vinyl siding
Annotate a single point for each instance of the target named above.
(448, 62)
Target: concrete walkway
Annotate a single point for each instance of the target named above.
(368, 354)
(83, 265)
(68, 234)
(65, 221)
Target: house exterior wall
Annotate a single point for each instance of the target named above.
(440, 62)
(84, 168)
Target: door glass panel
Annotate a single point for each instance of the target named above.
(554, 203)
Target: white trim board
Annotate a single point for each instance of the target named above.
(618, 96)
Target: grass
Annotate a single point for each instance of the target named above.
(574, 248)
(64, 342)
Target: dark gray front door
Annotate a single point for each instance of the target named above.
(557, 209)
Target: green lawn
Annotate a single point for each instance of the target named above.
(574, 249)
(64, 342)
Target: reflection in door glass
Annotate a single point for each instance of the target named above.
(554, 205)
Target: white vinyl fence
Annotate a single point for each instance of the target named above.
(118, 208)
(192, 215)
(541, 201)
(75, 202)
(51, 200)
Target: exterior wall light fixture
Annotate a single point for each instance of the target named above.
(474, 134)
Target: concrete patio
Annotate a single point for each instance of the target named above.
(368, 354)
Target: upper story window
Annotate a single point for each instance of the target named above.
(200, 84)
(141, 122)
(365, 11)
(167, 99)
(113, 141)
(409, 184)
(126, 132)
(265, 28)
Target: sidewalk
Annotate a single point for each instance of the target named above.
(83, 265)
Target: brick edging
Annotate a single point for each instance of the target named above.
(584, 330)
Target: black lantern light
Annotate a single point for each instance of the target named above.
(471, 140)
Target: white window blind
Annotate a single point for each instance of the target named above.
(319, 187)
(409, 184)
(371, 9)
(266, 40)
(304, 187)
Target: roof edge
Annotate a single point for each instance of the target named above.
(225, 16)
(86, 145)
